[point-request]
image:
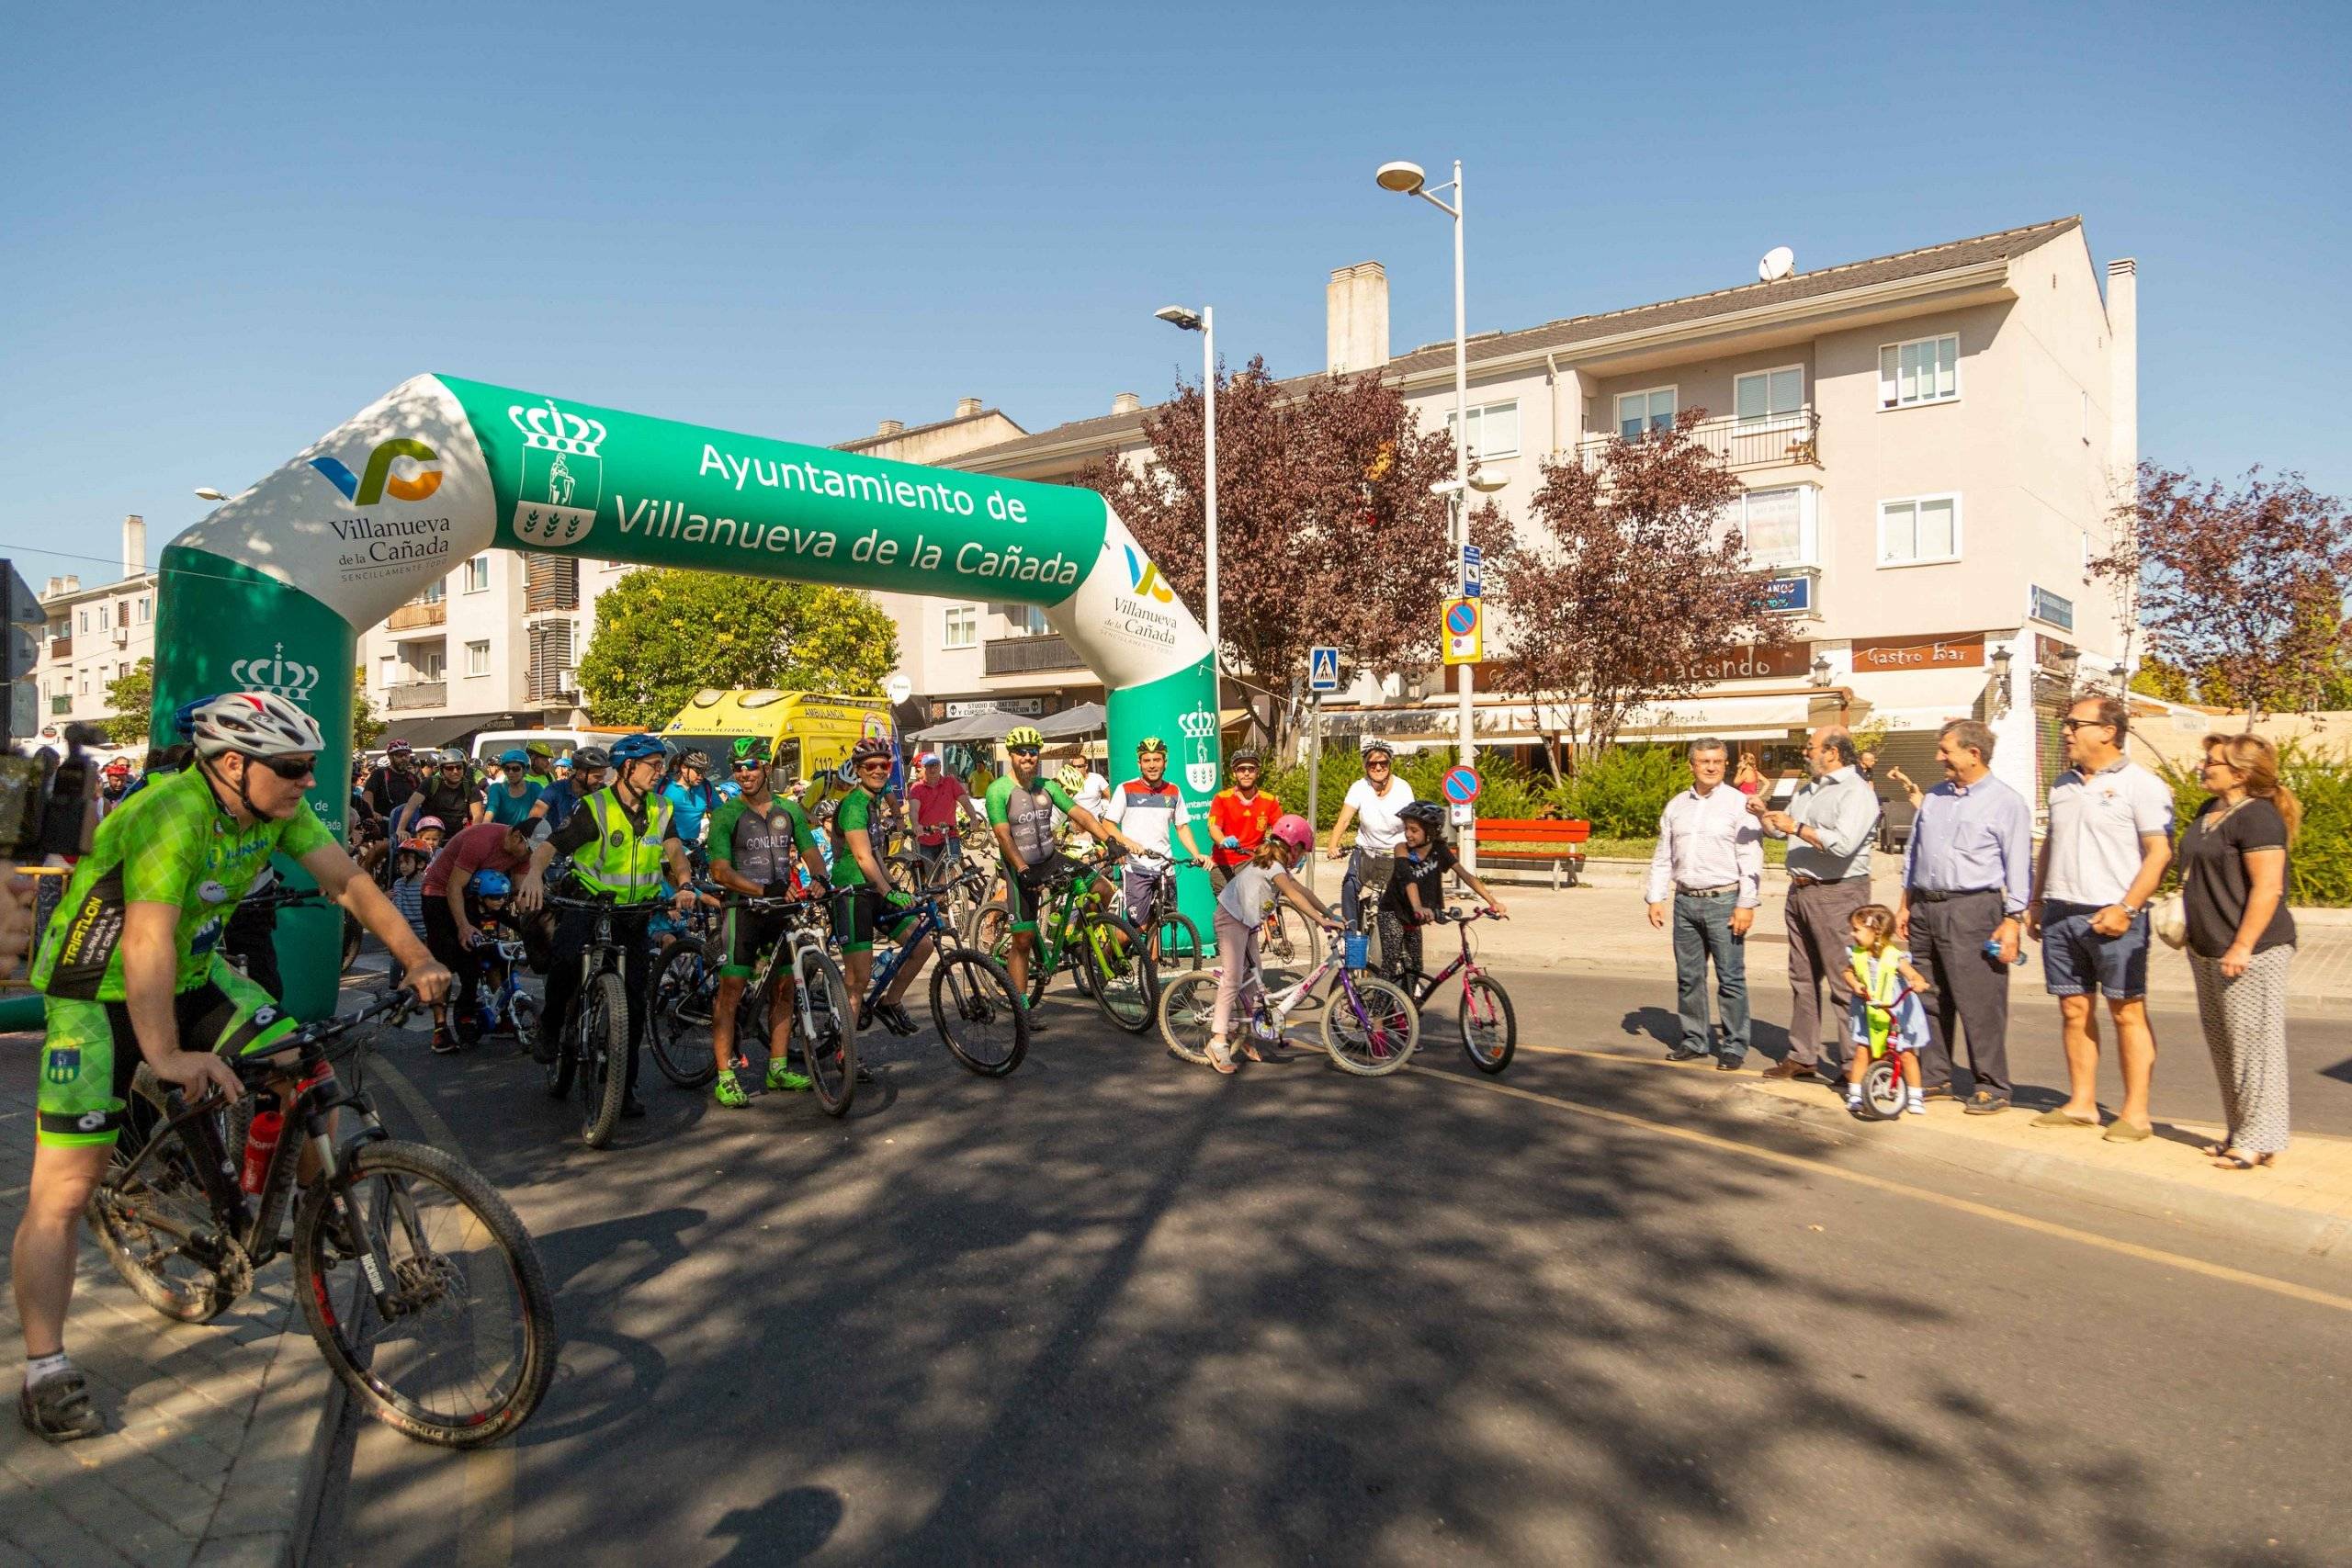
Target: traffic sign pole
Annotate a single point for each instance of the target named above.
(1314, 779)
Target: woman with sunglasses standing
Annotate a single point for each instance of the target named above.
(2242, 940)
(1377, 802)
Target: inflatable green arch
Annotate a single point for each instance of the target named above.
(270, 590)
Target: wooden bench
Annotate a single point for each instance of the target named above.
(1555, 841)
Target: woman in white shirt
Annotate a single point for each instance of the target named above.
(1373, 803)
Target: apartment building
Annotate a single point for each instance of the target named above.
(1931, 444)
(96, 636)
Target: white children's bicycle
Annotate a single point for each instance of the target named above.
(1370, 1027)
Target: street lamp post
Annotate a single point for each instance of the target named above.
(1204, 322)
(1408, 179)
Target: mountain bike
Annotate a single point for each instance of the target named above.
(1170, 932)
(593, 1052)
(1370, 1027)
(1488, 1025)
(421, 1288)
(1107, 959)
(686, 987)
(973, 1005)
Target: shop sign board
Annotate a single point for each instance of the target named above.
(1883, 655)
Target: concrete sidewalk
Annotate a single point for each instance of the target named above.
(211, 1426)
(1602, 926)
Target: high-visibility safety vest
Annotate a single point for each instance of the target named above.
(620, 861)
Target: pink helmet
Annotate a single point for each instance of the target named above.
(421, 823)
(1294, 830)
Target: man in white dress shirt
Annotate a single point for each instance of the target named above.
(1709, 860)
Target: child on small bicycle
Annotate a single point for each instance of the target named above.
(486, 911)
(1415, 894)
(1885, 1013)
(1241, 920)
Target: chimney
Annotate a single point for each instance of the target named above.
(55, 586)
(134, 545)
(1356, 318)
(890, 427)
(1126, 402)
(967, 407)
(2123, 376)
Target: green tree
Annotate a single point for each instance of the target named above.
(365, 728)
(131, 696)
(663, 635)
(2160, 678)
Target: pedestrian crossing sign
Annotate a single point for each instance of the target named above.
(1322, 668)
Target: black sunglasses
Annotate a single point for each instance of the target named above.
(291, 769)
(2072, 724)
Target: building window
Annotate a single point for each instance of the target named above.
(434, 591)
(1764, 395)
(146, 608)
(1494, 430)
(1919, 529)
(432, 664)
(106, 618)
(1778, 526)
(1924, 371)
(1022, 620)
(1638, 413)
(963, 626)
(86, 620)
(477, 575)
(86, 682)
(477, 659)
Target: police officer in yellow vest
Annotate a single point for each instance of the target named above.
(622, 839)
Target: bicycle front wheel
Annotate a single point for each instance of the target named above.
(469, 1346)
(1489, 1028)
(1291, 947)
(685, 984)
(1119, 972)
(603, 1075)
(1369, 1026)
(1188, 1015)
(972, 1003)
(1180, 945)
(821, 1018)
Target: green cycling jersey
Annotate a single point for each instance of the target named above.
(171, 843)
(1029, 813)
(861, 811)
(761, 846)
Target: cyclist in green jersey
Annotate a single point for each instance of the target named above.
(864, 901)
(1021, 808)
(753, 837)
(130, 969)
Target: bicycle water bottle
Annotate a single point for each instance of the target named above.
(1358, 949)
(261, 1143)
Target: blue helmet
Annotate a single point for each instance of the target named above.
(493, 884)
(514, 754)
(634, 748)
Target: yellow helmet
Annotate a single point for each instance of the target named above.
(1023, 737)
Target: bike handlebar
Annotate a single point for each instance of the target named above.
(396, 1001)
(1465, 916)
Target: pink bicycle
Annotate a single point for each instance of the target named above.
(1489, 1027)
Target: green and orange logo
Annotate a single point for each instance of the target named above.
(379, 480)
(1145, 576)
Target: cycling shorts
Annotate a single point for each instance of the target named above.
(1141, 883)
(746, 935)
(1021, 891)
(859, 912)
(92, 1051)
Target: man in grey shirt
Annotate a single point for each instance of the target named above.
(1828, 825)
(1967, 873)
(1710, 857)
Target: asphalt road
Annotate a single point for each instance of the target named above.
(1118, 1310)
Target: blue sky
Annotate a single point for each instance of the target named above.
(225, 233)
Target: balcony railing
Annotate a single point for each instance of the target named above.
(60, 648)
(1021, 655)
(408, 616)
(417, 695)
(1754, 443)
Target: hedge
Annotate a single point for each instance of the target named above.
(1621, 793)
(2320, 862)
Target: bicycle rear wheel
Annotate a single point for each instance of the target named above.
(992, 933)
(1489, 1028)
(1180, 945)
(1119, 972)
(603, 1077)
(985, 1026)
(471, 1347)
(146, 1223)
(1369, 1026)
(523, 1011)
(830, 1052)
(1188, 1015)
(684, 984)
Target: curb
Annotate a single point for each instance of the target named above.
(2152, 1197)
(270, 1497)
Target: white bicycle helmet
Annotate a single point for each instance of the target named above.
(258, 724)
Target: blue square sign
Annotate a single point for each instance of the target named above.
(1322, 668)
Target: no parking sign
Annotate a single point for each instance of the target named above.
(1464, 631)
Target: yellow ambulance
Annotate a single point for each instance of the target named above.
(809, 732)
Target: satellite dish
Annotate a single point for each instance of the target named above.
(1778, 263)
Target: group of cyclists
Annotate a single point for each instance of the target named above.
(144, 960)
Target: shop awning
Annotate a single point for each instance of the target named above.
(972, 727)
(1086, 719)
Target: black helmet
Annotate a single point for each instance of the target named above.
(1244, 755)
(591, 757)
(1428, 813)
(871, 748)
(700, 760)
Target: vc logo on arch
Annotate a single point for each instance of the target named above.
(1144, 577)
(367, 489)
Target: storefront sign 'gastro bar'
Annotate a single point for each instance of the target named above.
(1883, 655)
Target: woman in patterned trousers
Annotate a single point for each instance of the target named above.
(2240, 939)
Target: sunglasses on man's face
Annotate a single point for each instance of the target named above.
(2072, 724)
(747, 766)
(1029, 752)
(291, 769)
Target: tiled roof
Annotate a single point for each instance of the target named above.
(1573, 330)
